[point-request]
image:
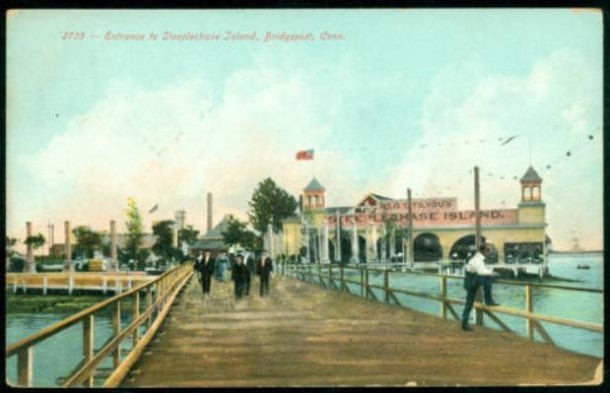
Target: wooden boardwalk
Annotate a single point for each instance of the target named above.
(302, 335)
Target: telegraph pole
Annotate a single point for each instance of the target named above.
(477, 209)
(410, 233)
(477, 214)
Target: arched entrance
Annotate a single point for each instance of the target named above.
(346, 246)
(383, 248)
(361, 249)
(464, 247)
(331, 251)
(427, 248)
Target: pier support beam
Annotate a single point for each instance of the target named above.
(325, 256)
(30, 263)
(410, 254)
(68, 265)
(354, 258)
(337, 237)
(114, 262)
(373, 253)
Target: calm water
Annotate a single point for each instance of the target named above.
(59, 355)
(66, 348)
(579, 306)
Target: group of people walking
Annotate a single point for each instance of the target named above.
(241, 272)
(477, 275)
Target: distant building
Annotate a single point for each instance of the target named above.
(147, 242)
(213, 239)
(375, 228)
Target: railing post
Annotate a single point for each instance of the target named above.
(386, 284)
(444, 297)
(319, 274)
(25, 359)
(478, 313)
(362, 290)
(116, 322)
(341, 283)
(45, 285)
(529, 307)
(88, 343)
(70, 285)
(148, 304)
(330, 274)
(366, 283)
(135, 314)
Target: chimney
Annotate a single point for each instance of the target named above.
(209, 212)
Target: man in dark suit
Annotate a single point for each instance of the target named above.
(206, 268)
(250, 268)
(239, 276)
(264, 269)
(197, 266)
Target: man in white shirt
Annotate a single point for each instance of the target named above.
(477, 274)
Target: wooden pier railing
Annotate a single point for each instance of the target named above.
(69, 282)
(334, 277)
(150, 303)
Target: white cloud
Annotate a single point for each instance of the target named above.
(172, 145)
(554, 108)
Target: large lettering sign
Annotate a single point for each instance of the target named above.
(424, 213)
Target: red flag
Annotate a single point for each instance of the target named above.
(305, 155)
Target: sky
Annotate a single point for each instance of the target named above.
(400, 98)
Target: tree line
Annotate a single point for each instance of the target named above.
(269, 204)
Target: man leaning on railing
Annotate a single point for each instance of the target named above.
(475, 275)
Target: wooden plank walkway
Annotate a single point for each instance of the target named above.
(302, 335)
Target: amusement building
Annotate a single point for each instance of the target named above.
(376, 229)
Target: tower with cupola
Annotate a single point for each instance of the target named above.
(531, 207)
(314, 196)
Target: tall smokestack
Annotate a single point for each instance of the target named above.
(209, 212)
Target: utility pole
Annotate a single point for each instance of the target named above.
(410, 232)
(477, 209)
(477, 214)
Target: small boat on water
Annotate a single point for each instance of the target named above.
(583, 267)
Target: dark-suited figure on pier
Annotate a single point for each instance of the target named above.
(263, 269)
(206, 269)
(239, 275)
(250, 270)
(197, 266)
(477, 274)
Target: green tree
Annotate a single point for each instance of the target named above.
(163, 246)
(134, 227)
(270, 203)
(141, 257)
(8, 247)
(87, 241)
(188, 235)
(237, 232)
(36, 241)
